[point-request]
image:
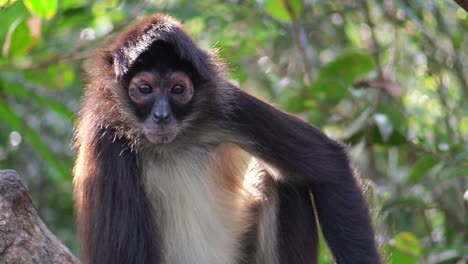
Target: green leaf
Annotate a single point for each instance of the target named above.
(394, 113)
(41, 8)
(423, 165)
(385, 126)
(336, 76)
(9, 15)
(325, 255)
(330, 90)
(398, 257)
(278, 9)
(9, 117)
(396, 138)
(72, 4)
(408, 243)
(15, 35)
(347, 67)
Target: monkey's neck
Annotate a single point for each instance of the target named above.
(199, 210)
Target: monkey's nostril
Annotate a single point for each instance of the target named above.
(161, 117)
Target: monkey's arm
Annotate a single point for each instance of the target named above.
(293, 146)
(114, 217)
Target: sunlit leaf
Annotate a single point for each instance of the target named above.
(408, 243)
(19, 32)
(21, 41)
(72, 4)
(279, 10)
(9, 15)
(398, 257)
(41, 8)
(102, 7)
(14, 33)
(6, 3)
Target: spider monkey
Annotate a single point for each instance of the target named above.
(176, 164)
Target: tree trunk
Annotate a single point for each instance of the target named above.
(24, 238)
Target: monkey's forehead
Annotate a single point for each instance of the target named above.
(139, 39)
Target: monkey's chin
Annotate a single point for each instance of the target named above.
(159, 136)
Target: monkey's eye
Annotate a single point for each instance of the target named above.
(145, 88)
(178, 89)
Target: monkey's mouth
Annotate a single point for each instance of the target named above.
(161, 131)
(160, 134)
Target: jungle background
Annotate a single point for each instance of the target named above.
(386, 77)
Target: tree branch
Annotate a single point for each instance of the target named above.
(24, 238)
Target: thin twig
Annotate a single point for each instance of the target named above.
(442, 91)
(375, 46)
(300, 39)
(394, 50)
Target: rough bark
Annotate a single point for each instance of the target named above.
(24, 238)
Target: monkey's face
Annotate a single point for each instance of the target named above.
(161, 101)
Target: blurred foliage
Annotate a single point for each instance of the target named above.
(387, 77)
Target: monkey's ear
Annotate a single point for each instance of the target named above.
(138, 40)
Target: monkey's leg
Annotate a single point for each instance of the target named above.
(286, 231)
(297, 227)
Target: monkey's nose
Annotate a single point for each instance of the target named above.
(161, 117)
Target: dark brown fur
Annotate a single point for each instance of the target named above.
(115, 221)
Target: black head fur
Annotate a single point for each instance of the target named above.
(156, 32)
